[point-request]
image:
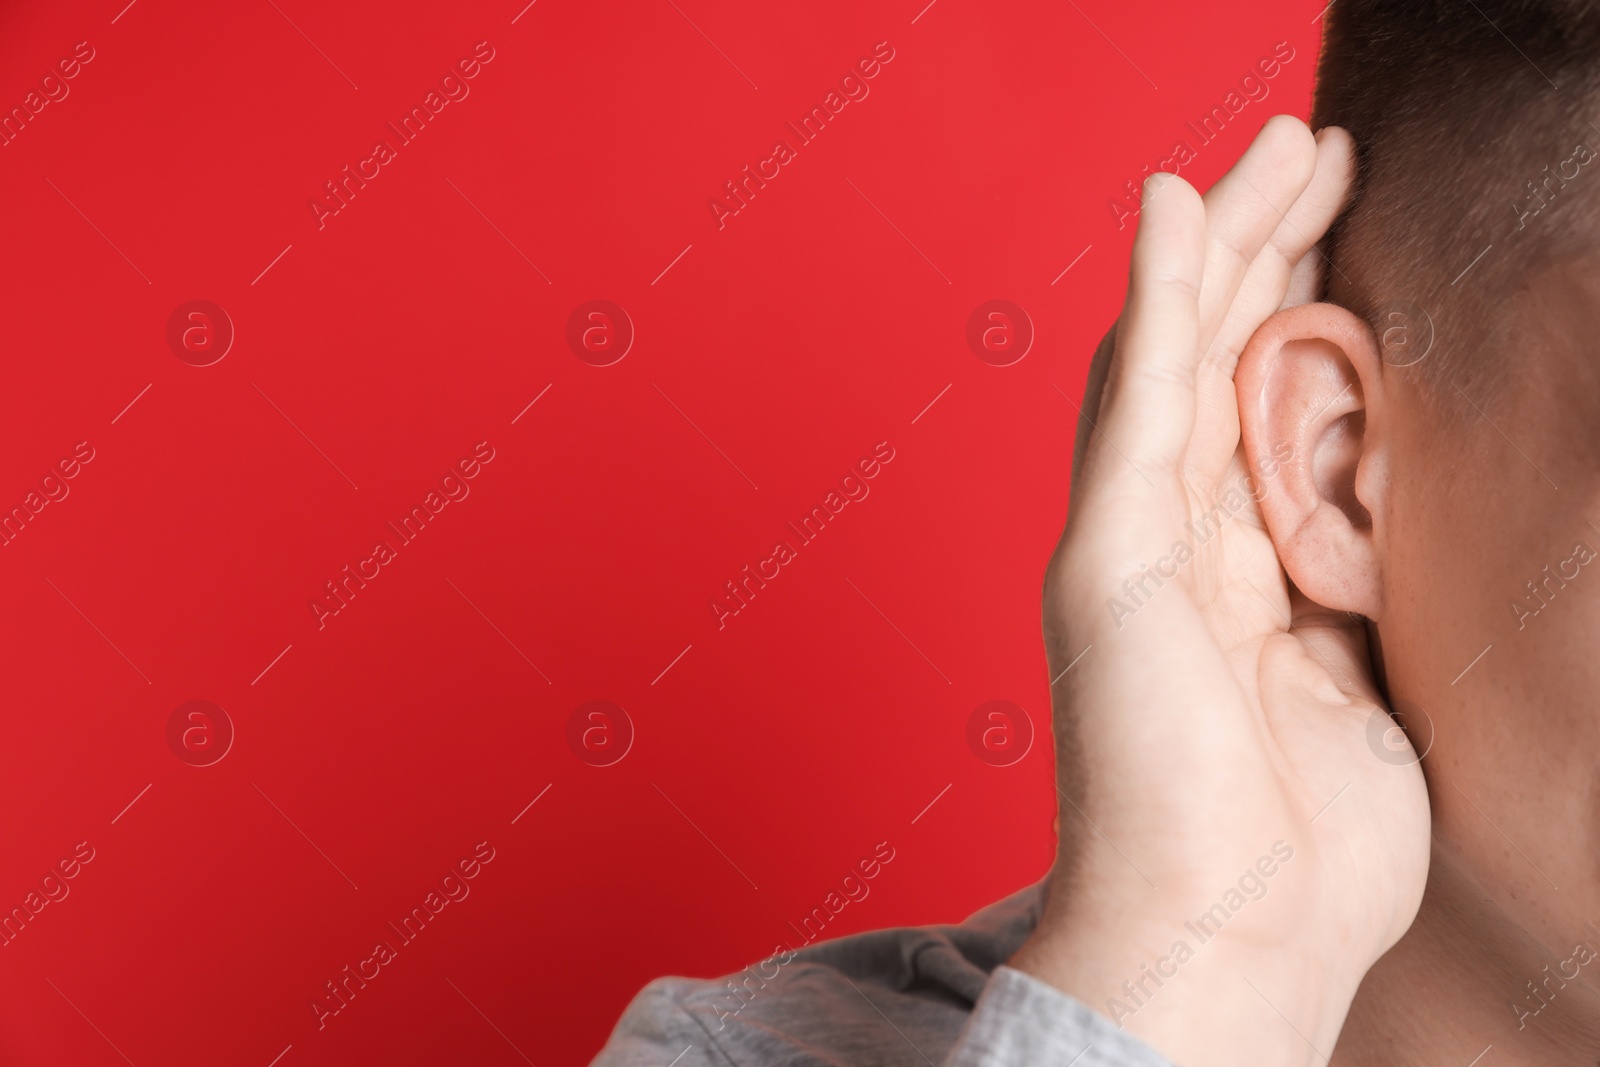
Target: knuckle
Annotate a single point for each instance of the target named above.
(1175, 281)
(1164, 372)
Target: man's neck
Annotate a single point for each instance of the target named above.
(1467, 978)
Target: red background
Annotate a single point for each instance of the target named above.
(769, 358)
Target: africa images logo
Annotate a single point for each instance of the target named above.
(853, 88)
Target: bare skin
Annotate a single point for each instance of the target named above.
(1475, 557)
(1231, 706)
(1221, 716)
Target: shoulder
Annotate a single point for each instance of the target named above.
(845, 1000)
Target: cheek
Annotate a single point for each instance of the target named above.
(1507, 672)
(1451, 564)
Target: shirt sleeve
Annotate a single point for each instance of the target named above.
(658, 1030)
(1020, 1020)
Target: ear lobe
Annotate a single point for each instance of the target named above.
(1310, 388)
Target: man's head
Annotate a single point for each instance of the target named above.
(1443, 409)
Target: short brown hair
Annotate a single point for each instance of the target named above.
(1472, 123)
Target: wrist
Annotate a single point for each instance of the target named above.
(1201, 998)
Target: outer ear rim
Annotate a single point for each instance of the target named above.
(1322, 320)
(1300, 521)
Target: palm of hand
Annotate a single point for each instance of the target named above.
(1216, 712)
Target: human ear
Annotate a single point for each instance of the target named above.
(1310, 415)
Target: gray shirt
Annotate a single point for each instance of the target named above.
(929, 995)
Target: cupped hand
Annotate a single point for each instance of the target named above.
(1216, 750)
